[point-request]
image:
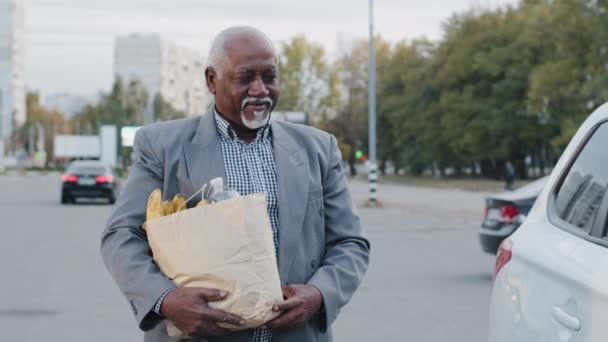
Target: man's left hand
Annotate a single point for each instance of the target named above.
(300, 304)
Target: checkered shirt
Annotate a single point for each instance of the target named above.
(250, 169)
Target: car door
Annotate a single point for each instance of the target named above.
(554, 287)
(592, 254)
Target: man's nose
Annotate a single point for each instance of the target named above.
(258, 88)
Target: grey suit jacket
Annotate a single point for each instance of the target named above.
(320, 238)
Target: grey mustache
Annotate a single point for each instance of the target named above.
(254, 99)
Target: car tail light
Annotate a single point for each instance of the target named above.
(503, 256)
(69, 178)
(508, 213)
(104, 179)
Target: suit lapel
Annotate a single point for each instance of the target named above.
(203, 154)
(292, 180)
(204, 161)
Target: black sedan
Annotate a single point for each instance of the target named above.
(89, 179)
(505, 212)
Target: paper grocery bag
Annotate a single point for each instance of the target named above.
(226, 245)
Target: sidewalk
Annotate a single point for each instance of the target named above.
(422, 208)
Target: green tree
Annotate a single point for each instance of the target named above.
(404, 93)
(163, 111)
(123, 106)
(304, 76)
(482, 77)
(51, 121)
(572, 78)
(501, 85)
(348, 121)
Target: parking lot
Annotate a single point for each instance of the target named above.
(428, 279)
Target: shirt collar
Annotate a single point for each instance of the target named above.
(225, 129)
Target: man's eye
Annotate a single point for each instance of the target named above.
(270, 78)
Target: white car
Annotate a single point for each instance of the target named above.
(551, 276)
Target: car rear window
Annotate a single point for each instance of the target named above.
(88, 170)
(581, 193)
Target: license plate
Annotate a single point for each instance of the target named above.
(493, 214)
(86, 181)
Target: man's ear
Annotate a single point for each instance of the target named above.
(211, 78)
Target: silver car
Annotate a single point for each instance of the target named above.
(551, 275)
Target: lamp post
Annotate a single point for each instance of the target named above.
(372, 175)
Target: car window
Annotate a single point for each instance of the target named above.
(88, 170)
(581, 193)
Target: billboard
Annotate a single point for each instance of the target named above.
(76, 146)
(127, 135)
(108, 145)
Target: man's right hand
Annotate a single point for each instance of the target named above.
(187, 309)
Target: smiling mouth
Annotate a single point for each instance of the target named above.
(259, 105)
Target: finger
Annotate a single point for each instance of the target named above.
(285, 320)
(212, 295)
(220, 316)
(288, 291)
(288, 304)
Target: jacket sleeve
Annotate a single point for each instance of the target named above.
(346, 251)
(124, 245)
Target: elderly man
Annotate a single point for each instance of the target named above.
(322, 255)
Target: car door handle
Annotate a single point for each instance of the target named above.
(565, 319)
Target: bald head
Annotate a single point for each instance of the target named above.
(231, 38)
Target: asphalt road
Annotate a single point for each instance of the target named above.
(428, 280)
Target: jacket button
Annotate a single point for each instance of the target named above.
(313, 264)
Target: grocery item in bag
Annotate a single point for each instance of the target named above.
(226, 245)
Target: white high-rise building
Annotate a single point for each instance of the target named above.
(177, 74)
(12, 84)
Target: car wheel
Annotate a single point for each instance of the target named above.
(112, 198)
(66, 200)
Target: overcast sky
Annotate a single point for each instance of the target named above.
(69, 43)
